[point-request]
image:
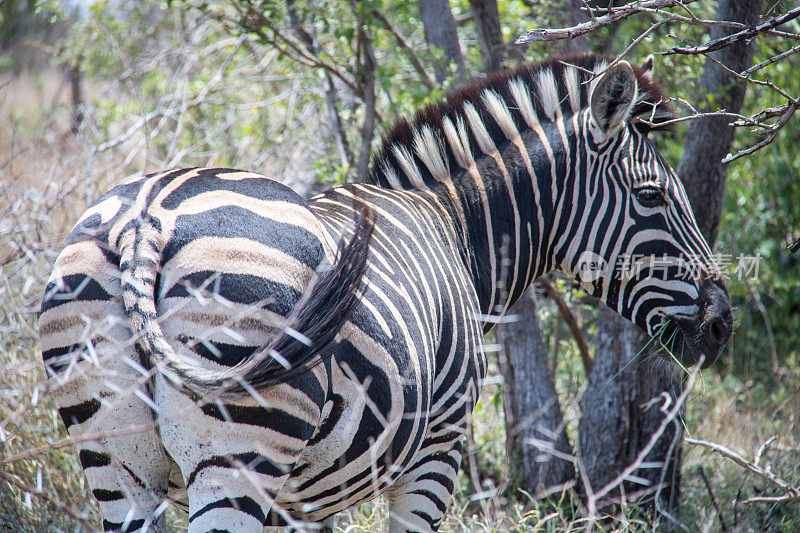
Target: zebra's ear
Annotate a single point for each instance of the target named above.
(612, 97)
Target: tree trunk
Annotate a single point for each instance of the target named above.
(366, 76)
(621, 411)
(76, 84)
(489, 33)
(440, 31)
(534, 421)
(572, 17)
(709, 139)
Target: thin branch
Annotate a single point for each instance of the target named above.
(302, 54)
(773, 499)
(773, 59)
(406, 48)
(768, 326)
(735, 37)
(331, 94)
(791, 493)
(569, 317)
(739, 76)
(640, 458)
(636, 41)
(714, 501)
(693, 20)
(776, 128)
(614, 15)
(770, 112)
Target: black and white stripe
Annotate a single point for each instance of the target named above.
(293, 359)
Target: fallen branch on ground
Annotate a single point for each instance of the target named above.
(790, 493)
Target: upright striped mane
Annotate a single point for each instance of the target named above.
(487, 113)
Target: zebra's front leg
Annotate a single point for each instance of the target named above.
(236, 456)
(419, 498)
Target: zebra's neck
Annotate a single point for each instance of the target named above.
(502, 183)
(507, 201)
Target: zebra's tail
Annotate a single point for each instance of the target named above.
(297, 346)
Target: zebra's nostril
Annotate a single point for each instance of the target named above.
(717, 332)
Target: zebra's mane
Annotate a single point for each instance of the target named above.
(490, 111)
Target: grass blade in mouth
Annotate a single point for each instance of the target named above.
(655, 337)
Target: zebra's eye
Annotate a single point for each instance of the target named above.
(650, 197)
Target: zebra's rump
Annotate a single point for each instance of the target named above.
(237, 251)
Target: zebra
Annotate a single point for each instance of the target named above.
(213, 339)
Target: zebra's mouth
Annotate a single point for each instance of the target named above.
(682, 342)
(698, 336)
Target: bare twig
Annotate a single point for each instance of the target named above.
(714, 501)
(790, 493)
(776, 128)
(765, 114)
(768, 326)
(407, 49)
(693, 20)
(763, 448)
(735, 37)
(569, 317)
(771, 60)
(331, 93)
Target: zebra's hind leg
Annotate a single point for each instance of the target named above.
(100, 393)
(236, 456)
(418, 499)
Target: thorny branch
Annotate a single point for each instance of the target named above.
(735, 37)
(790, 493)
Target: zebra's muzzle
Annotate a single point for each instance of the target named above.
(706, 334)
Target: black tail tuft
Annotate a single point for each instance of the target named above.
(310, 328)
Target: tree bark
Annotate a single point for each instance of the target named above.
(490, 34)
(573, 17)
(533, 412)
(440, 31)
(709, 139)
(620, 413)
(366, 77)
(76, 83)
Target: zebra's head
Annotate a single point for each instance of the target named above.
(639, 248)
